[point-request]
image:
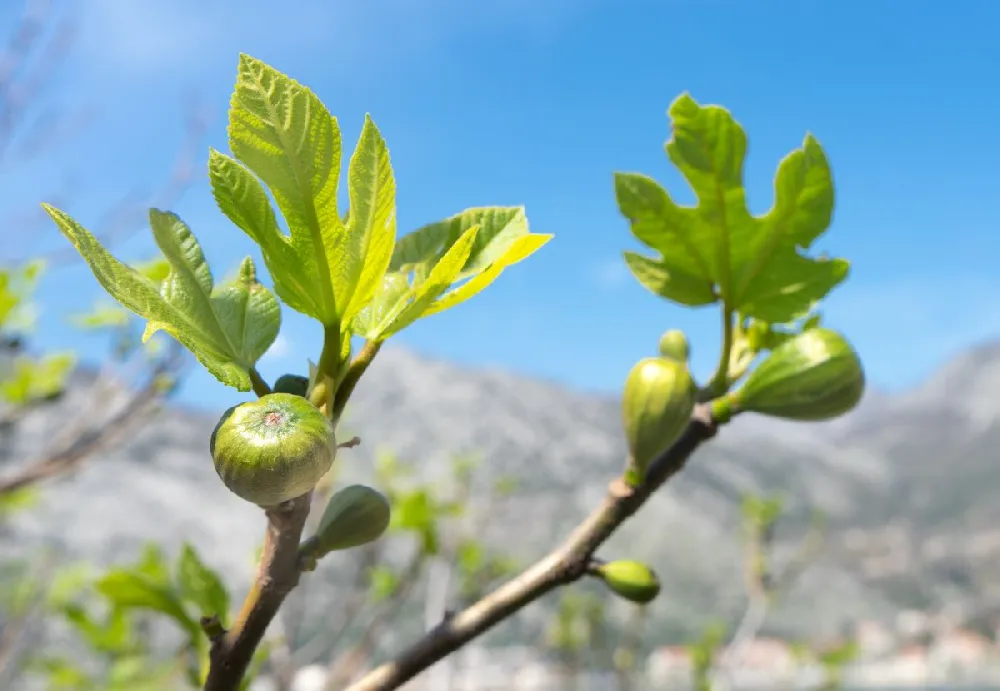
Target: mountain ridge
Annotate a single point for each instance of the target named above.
(872, 472)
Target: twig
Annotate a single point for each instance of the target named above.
(720, 379)
(346, 666)
(354, 372)
(13, 632)
(762, 586)
(84, 445)
(260, 387)
(565, 565)
(349, 610)
(277, 574)
(127, 215)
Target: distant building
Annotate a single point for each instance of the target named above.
(874, 639)
(960, 654)
(912, 624)
(670, 664)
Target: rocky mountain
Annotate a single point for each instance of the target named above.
(907, 482)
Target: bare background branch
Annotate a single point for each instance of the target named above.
(34, 125)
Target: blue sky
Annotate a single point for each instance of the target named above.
(537, 103)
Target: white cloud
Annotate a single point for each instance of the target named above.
(165, 36)
(129, 36)
(279, 350)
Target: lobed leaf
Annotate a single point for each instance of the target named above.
(424, 293)
(474, 246)
(371, 224)
(284, 134)
(226, 328)
(500, 228)
(329, 266)
(717, 250)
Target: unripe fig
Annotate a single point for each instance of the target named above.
(631, 580)
(815, 375)
(354, 516)
(273, 449)
(657, 401)
(674, 345)
(292, 383)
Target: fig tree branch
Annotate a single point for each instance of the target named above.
(564, 565)
(277, 574)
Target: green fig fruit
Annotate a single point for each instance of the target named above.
(354, 516)
(273, 449)
(631, 580)
(815, 375)
(657, 401)
(674, 345)
(292, 383)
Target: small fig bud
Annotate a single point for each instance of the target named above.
(292, 383)
(674, 345)
(757, 334)
(815, 375)
(657, 401)
(631, 580)
(354, 516)
(273, 449)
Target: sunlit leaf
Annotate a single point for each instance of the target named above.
(284, 134)
(717, 250)
(201, 585)
(136, 591)
(31, 379)
(227, 328)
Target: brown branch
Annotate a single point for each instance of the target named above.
(763, 585)
(83, 444)
(565, 565)
(347, 666)
(350, 608)
(14, 631)
(128, 216)
(16, 93)
(277, 574)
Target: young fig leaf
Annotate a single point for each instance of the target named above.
(371, 225)
(717, 250)
(227, 328)
(419, 297)
(499, 238)
(284, 134)
(329, 265)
